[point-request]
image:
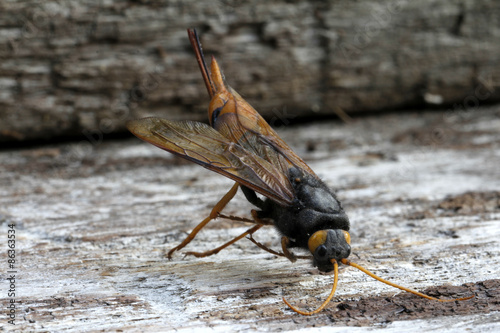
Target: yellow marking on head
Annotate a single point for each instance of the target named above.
(317, 239)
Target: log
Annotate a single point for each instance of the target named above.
(93, 224)
(81, 69)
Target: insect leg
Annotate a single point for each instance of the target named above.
(252, 197)
(260, 223)
(266, 221)
(213, 214)
(235, 218)
(285, 242)
(256, 218)
(223, 246)
(265, 248)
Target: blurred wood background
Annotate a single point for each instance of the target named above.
(82, 68)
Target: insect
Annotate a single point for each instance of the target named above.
(240, 145)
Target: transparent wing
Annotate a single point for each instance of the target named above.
(207, 147)
(253, 122)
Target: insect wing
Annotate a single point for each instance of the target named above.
(201, 144)
(227, 104)
(228, 125)
(252, 121)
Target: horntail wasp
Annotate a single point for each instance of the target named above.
(240, 145)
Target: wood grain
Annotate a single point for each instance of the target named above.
(93, 226)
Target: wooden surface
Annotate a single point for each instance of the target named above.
(93, 224)
(83, 68)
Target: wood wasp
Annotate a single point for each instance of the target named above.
(240, 145)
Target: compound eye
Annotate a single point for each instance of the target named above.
(321, 251)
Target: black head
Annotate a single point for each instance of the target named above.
(326, 245)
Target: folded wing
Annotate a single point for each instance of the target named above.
(201, 144)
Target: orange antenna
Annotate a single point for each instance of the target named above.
(325, 303)
(195, 42)
(364, 270)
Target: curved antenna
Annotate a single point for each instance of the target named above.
(364, 270)
(325, 303)
(367, 272)
(195, 42)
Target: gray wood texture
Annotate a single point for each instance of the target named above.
(82, 68)
(93, 224)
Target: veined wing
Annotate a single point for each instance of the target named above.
(252, 121)
(205, 146)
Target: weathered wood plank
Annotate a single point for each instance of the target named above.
(93, 227)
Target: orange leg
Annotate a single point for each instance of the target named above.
(235, 218)
(265, 248)
(213, 214)
(232, 241)
(284, 245)
(255, 217)
(284, 241)
(260, 223)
